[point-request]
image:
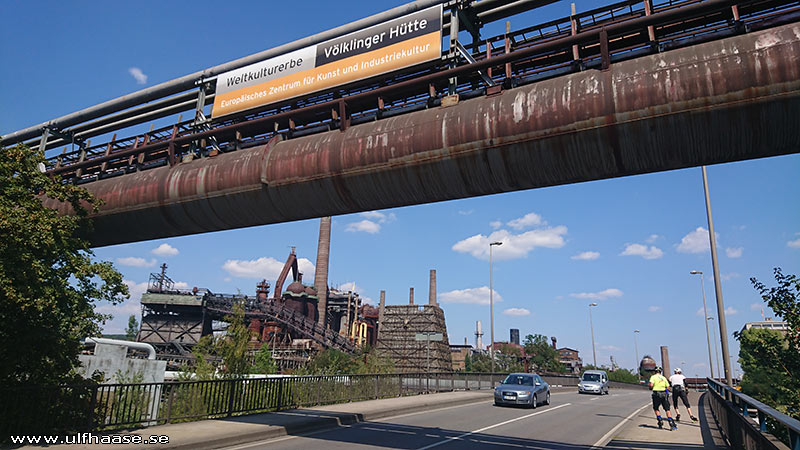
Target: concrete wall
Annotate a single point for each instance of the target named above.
(111, 359)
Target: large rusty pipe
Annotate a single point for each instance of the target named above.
(720, 101)
(368, 96)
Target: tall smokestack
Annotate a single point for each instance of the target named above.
(321, 272)
(665, 361)
(432, 289)
(381, 311)
(478, 336)
(411, 296)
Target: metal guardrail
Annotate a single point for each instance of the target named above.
(749, 424)
(83, 408)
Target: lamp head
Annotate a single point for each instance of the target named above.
(496, 243)
(696, 272)
(592, 304)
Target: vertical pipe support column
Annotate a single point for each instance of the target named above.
(648, 10)
(411, 296)
(723, 328)
(381, 314)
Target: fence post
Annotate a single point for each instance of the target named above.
(376, 387)
(230, 398)
(479, 382)
(92, 404)
(280, 394)
(169, 402)
(319, 390)
(400, 385)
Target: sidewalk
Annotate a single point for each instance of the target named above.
(642, 432)
(209, 434)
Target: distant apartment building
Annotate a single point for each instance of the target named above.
(767, 324)
(515, 336)
(569, 357)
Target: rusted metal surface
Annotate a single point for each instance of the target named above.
(721, 101)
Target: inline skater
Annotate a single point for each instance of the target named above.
(679, 391)
(660, 386)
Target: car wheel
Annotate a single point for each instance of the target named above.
(496, 404)
(534, 402)
(547, 398)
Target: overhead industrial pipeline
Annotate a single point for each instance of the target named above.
(721, 101)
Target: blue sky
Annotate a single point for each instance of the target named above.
(626, 243)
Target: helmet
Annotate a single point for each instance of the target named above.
(658, 369)
(677, 370)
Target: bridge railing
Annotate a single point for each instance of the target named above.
(79, 408)
(749, 424)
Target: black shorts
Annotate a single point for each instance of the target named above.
(679, 392)
(660, 399)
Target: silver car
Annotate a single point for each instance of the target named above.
(526, 389)
(593, 382)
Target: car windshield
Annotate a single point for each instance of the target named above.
(591, 377)
(521, 380)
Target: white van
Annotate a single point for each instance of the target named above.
(594, 382)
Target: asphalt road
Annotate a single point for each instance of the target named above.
(571, 422)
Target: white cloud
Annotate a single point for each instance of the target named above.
(377, 216)
(181, 285)
(466, 212)
(652, 238)
(586, 256)
(517, 312)
(654, 309)
(644, 251)
(699, 312)
(268, 268)
(526, 221)
(514, 245)
(471, 296)
(734, 252)
(137, 73)
(695, 242)
(349, 286)
(367, 226)
(227, 279)
(730, 311)
(794, 244)
(602, 295)
(122, 311)
(165, 250)
(756, 306)
(495, 224)
(729, 276)
(133, 261)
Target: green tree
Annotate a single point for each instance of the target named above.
(133, 328)
(771, 359)
(49, 280)
(542, 355)
(332, 362)
(467, 363)
(263, 362)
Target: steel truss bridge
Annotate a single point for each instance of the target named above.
(559, 102)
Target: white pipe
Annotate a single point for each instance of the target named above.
(137, 345)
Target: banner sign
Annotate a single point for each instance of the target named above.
(403, 42)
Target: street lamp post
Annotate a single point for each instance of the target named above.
(716, 344)
(636, 346)
(591, 325)
(491, 303)
(705, 315)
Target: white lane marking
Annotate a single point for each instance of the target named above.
(607, 437)
(286, 438)
(480, 430)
